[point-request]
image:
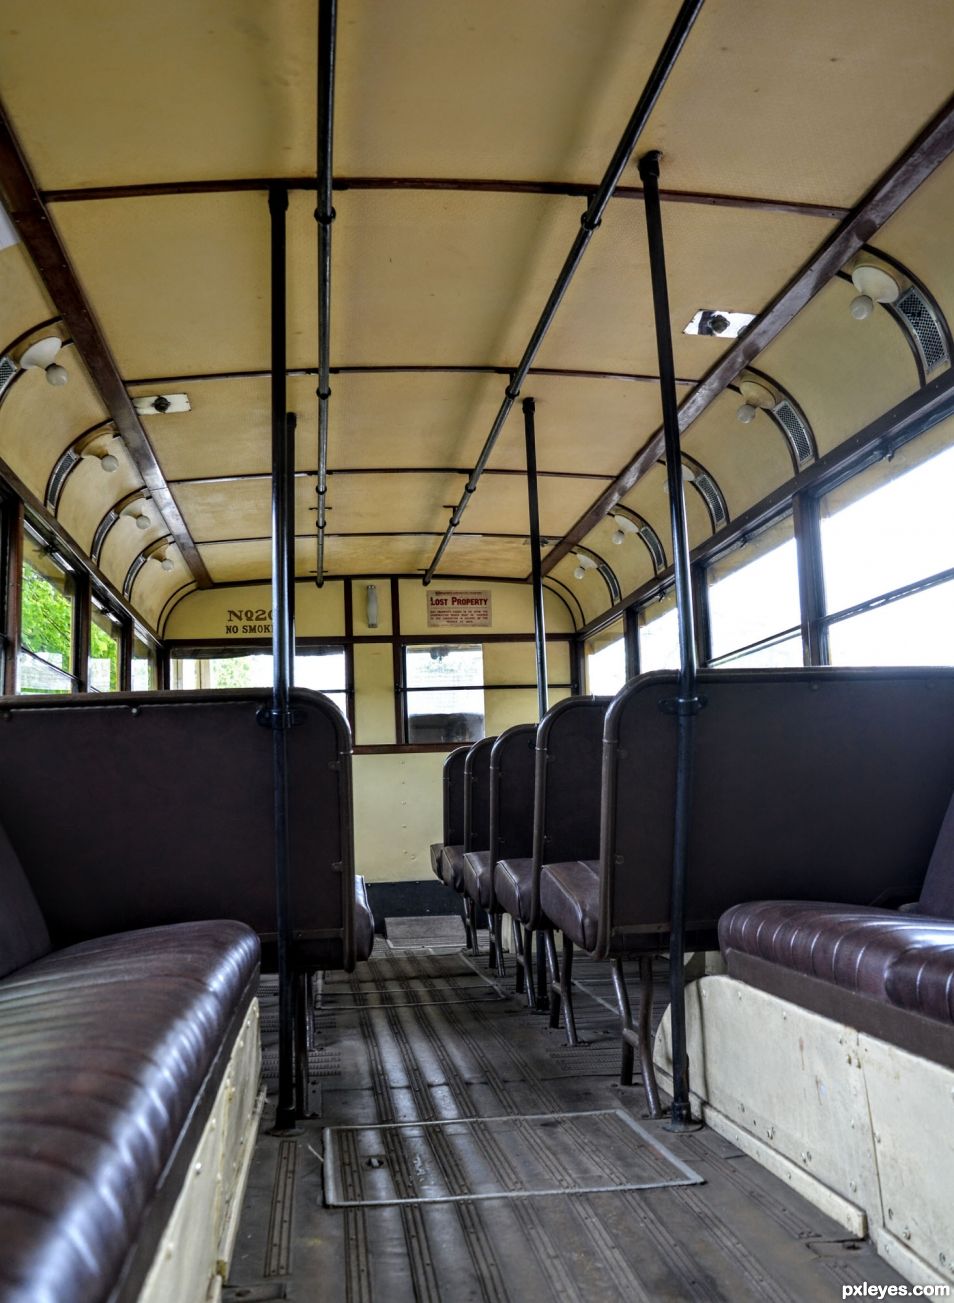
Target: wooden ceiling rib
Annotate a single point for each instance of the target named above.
(932, 146)
(28, 214)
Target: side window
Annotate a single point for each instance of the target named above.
(444, 693)
(605, 657)
(47, 610)
(754, 614)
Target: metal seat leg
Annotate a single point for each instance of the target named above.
(637, 1038)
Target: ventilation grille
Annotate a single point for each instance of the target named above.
(919, 317)
(8, 369)
(796, 431)
(713, 498)
(134, 569)
(58, 478)
(651, 539)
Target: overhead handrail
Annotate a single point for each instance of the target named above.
(590, 220)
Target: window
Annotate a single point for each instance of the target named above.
(605, 656)
(754, 612)
(445, 694)
(321, 669)
(144, 676)
(659, 635)
(104, 644)
(891, 528)
(45, 662)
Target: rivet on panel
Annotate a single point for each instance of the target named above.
(905, 1234)
(198, 1168)
(852, 1185)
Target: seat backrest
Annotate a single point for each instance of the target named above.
(132, 809)
(566, 788)
(512, 760)
(23, 933)
(822, 784)
(477, 795)
(454, 797)
(937, 893)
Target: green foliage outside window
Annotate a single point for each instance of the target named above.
(47, 619)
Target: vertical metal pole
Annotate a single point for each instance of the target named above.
(324, 216)
(811, 579)
(687, 702)
(539, 627)
(278, 716)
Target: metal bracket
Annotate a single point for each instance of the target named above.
(683, 705)
(269, 717)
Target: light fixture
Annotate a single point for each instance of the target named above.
(372, 606)
(585, 563)
(41, 357)
(137, 513)
(688, 475)
(9, 235)
(624, 526)
(99, 451)
(162, 404)
(161, 555)
(874, 285)
(756, 398)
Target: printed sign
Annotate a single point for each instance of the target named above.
(248, 620)
(452, 607)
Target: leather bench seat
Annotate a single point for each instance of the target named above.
(922, 980)
(111, 1052)
(513, 887)
(477, 877)
(570, 899)
(452, 866)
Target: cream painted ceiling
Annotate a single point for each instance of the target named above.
(435, 291)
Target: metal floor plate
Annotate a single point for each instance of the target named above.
(425, 933)
(593, 1152)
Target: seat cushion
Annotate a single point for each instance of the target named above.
(363, 922)
(436, 849)
(452, 866)
(105, 1048)
(513, 888)
(477, 877)
(23, 934)
(922, 980)
(852, 946)
(570, 898)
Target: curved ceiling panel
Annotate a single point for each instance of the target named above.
(651, 500)
(843, 372)
(153, 586)
(590, 591)
(125, 541)
(920, 236)
(89, 494)
(747, 461)
(23, 301)
(38, 421)
(630, 559)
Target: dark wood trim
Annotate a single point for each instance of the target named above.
(571, 373)
(934, 144)
(631, 635)
(349, 653)
(700, 604)
(125, 655)
(470, 185)
(811, 581)
(402, 748)
(82, 627)
(162, 668)
(43, 244)
(11, 555)
(66, 544)
(914, 415)
(578, 667)
(397, 666)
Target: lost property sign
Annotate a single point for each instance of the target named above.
(452, 607)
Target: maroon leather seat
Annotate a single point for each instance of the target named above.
(477, 877)
(452, 866)
(922, 980)
(111, 1053)
(570, 899)
(513, 887)
(436, 848)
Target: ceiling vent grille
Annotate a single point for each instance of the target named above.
(796, 431)
(133, 571)
(8, 369)
(920, 319)
(652, 541)
(712, 496)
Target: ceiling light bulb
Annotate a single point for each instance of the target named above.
(167, 563)
(747, 413)
(143, 521)
(109, 463)
(618, 536)
(579, 573)
(56, 374)
(862, 307)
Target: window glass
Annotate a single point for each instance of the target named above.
(445, 693)
(104, 639)
(753, 592)
(144, 677)
(785, 654)
(916, 630)
(45, 662)
(322, 670)
(659, 635)
(886, 528)
(606, 660)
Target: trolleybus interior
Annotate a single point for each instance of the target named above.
(477, 612)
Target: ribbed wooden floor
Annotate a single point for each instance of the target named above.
(426, 1037)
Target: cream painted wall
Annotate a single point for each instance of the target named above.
(398, 813)
(374, 694)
